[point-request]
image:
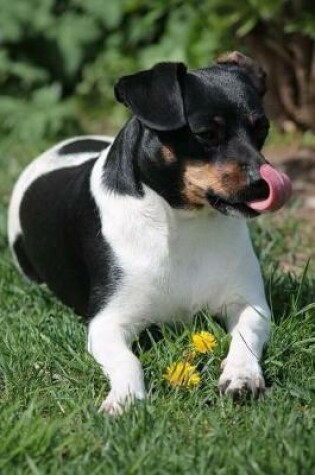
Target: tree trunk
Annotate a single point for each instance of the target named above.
(289, 61)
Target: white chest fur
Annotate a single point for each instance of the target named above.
(173, 262)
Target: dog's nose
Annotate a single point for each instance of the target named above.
(253, 175)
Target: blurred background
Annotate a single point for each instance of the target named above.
(59, 60)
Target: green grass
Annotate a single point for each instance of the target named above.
(51, 388)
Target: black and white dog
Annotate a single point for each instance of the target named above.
(145, 228)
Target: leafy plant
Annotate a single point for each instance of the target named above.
(75, 51)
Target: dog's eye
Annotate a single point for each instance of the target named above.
(212, 134)
(209, 136)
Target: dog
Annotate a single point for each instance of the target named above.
(150, 227)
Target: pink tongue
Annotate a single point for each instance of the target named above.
(280, 190)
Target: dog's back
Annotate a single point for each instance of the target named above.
(51, 202)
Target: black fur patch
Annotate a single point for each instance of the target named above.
(23, 260)
(63, 240)
(83, 146)
(121, 172)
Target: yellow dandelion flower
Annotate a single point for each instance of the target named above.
(204, 342)
(182, 374)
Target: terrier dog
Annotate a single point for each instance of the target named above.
(150, 227)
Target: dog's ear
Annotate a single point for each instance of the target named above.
(255, 72)
(155, 95)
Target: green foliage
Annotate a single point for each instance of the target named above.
(47, 117)
(59, 49)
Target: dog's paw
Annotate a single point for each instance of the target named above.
(241, 379)
(115, 404)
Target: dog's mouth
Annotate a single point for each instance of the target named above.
(231, 208)
(269, 194)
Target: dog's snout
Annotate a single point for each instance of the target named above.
(253, 175)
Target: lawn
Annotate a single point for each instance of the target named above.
(51, 388)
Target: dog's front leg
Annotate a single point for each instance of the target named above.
(249, 326)
(109, 342)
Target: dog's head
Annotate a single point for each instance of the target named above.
(211, 126)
